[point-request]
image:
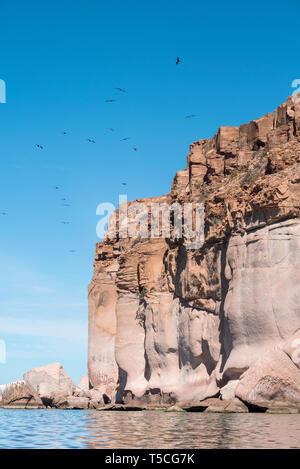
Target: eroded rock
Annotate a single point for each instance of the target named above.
(169, 324)
(49, 382)
(19, 395)
(273, 381)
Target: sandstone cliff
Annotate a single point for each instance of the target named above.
(168, 323)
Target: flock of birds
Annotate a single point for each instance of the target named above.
(90, 140)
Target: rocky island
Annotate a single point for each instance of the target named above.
(215, 328)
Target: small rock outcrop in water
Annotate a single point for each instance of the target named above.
(46, 386)
(19, 395)
(170, 324)
(51, 383)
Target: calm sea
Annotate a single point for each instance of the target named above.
(91, 429)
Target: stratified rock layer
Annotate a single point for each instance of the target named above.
(168, 323)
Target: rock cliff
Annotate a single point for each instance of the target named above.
(168, 323)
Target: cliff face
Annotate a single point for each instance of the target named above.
(168, 323)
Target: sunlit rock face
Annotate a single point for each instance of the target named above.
(182, 348)
(49, 382)
(102, 325)
(19, 395)
(263, 300)
(169, 322)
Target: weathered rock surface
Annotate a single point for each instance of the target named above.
(272, 382)
(84, 383)
(292, 348)
(168, 323)
(72, 402)
(83, 387)
(233, 405)
(18, 395)
(49, 382)
(228, 391)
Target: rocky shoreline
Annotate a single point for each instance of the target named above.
(50, 387)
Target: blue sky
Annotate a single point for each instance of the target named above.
(61, 60)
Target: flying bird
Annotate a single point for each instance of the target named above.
(90, 140)
(72, 250)
(121, 89)
(126, 138)
(65, 222)
(134, 149)
(190, 116)
(39, 146)
(177, 61)
(3, 213)
(110, 100)
(56, 187)
(124, 184)
(64, 133)
(63, 199)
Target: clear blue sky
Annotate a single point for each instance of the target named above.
(61, 60)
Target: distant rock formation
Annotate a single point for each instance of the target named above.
(46, 386)
(168, 323)
(50, 382)
(18, 395)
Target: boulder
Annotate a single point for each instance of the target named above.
(84, 383)
(198, 406)
(83, 387)
(232, 405)
(19, 395)
(94, 404)
(99, 395)
(72, 402)
(217, 405)
(236, 406)
(49, 382)
(272, 382)
(292, 348)
(228, 391)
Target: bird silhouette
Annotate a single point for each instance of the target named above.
(90, 140)
(57, 187)
(72, 250)
(63, 199)
(121, 89)
(177, 61)
(64, 133)
(39, 146)
(124, 184)
(110, 100)
(134, 149)
(190, 116)
(126, 138)
(3, 213)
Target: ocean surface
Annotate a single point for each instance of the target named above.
(152, 429)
